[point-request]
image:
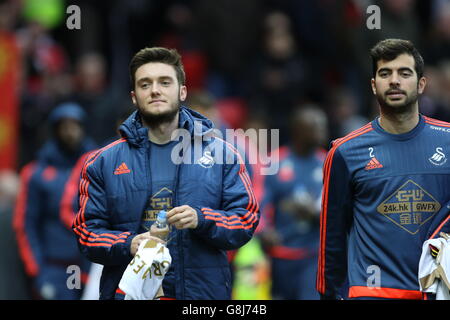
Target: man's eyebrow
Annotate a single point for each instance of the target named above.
(399, 69)
(405, 69)
(159, 78)
(384, 69)
(143, 79)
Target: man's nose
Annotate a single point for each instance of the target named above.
(155, 89)
(395, 79)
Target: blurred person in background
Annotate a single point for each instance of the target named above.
(102, 104)
(277, 79)
(291, 207)
(204, 103)
(237, 24)
(435, 101)
(70, 206)
(46, 246)
(13, 283)
(46, 82)
(438, 38)
(343, 112)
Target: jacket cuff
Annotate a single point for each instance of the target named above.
(127, 246)
(201, 221)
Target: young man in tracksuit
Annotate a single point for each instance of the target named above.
(47, 247)
(197, 178)
(385, 187)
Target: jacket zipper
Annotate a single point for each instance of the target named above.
(179, 238)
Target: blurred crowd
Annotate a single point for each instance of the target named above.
(249, 64)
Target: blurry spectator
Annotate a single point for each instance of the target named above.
(102, 104)
(204, 103)
(180, 34)
(42, 56)
(12, 276)
(46, 246)
(278, 78)
(291, 207)
(438, 41)
(229, 32)
(70, 207)
(343, 113)
(46, 82)
(313, 23)
(435, 102)
(399, 20)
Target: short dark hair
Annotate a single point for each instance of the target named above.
(157, 54)
(390, 49)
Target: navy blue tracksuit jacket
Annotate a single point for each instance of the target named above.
(111, 208)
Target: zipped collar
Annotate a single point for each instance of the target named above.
(136, 134)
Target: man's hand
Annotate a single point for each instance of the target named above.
(137, 240)
(269, 238)
(183, 217)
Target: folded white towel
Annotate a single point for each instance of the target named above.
(143, 276)
(434, 272)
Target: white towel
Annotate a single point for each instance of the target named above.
(92, 288)
(143, 276)
(434, 272)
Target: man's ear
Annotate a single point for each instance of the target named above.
(421, 85)
(133, 98)
(372, 84)
(183, 93)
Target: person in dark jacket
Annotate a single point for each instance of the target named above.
(167, 159)
(46, 246)
(291, 207)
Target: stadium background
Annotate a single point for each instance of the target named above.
(256, 59)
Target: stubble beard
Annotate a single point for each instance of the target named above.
(404, 108)
(154, 120)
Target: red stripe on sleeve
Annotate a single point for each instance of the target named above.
(252, 205)
(67, 214)
(31, 265)
(323, 215)
(79, 222)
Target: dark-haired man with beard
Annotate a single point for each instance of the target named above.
(209, 199)
(385, 187)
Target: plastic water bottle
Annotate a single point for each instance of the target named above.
(160, 228)
(161, 219)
